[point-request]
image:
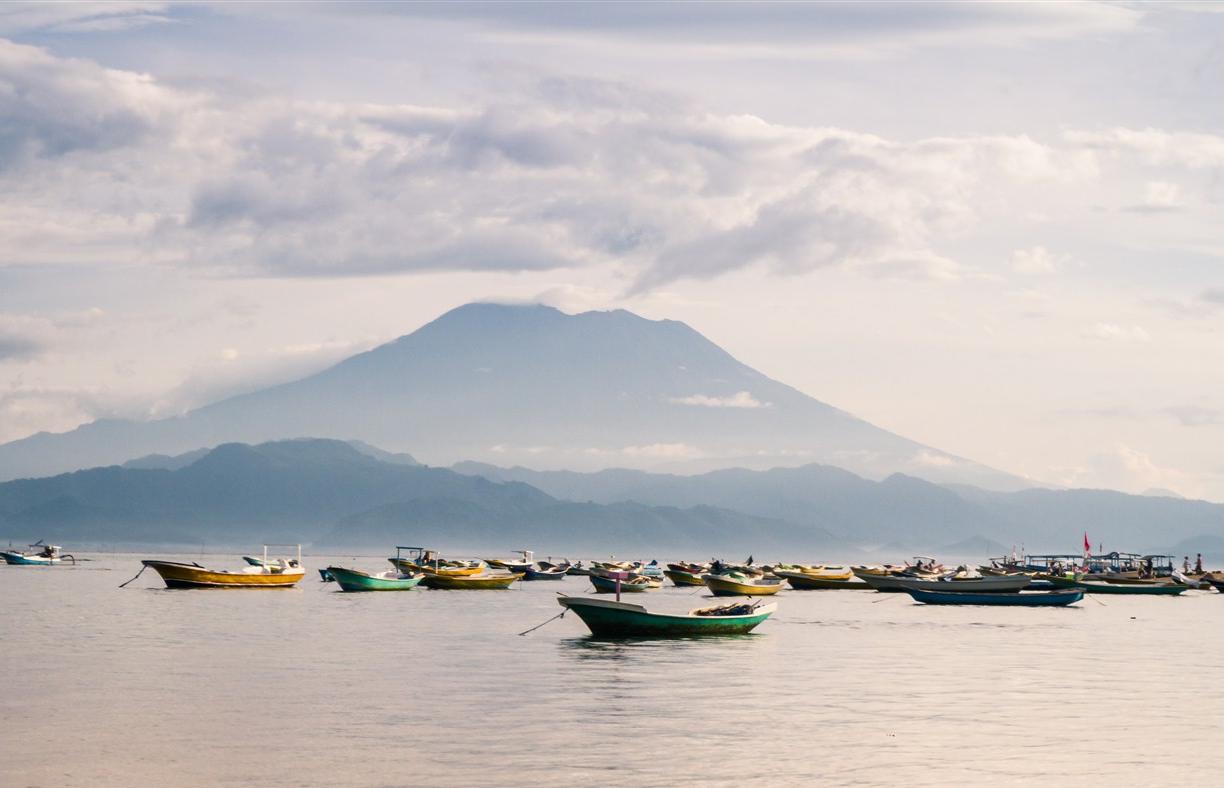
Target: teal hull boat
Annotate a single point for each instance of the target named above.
(607, 618)
(1093, 587)
(604, 585)
(1061, 598)
(354, 580)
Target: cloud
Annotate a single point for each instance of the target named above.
(1159, 197)
(662, 451)
(1036, 260)
(78, 17)
(1196, 415)
(740, 399)
(1114, 332)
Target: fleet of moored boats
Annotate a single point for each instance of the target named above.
(1031, 581)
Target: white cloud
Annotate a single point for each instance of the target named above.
(740, 399)
(1036, 260)
(663, 451)
(1116, 332)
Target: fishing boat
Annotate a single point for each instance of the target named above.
(631, 584)
(736, 584)
(356, 580)
(428, 561)
(41, 555)
(686, 574)
(1060, 598)
(1097, 587)
(540, 572)
(607, 618)
(484, 582)
(651, 570)
(804, 581)
(279, 573)
(519, 565)
(1002, 584)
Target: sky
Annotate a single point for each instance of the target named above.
(997, 229)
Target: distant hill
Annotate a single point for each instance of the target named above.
(507, 384)
(899, 513)
(328, 491)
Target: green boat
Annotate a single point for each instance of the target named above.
(607, 618)
(356, 580)
(1093, 587)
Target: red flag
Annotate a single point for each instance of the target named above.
(1087, 544)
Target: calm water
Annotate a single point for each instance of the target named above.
(310, 686)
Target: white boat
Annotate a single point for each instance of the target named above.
(44, 555)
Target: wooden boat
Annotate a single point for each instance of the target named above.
(519, 565)
(632, 584)
(1060, 598)
(999, 585)
(470, 582)
(607, 618)
(740, 585)
(281, 573)
(45, 555)
(808, 582)
(544, 573)
(1096, 587)
(422, 560)
(682, 578)
(578, 570)
(356, 580)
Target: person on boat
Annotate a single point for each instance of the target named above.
(749, 560)
(1185, 563)
(716, 566)
(1198, 564)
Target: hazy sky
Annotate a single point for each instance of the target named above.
(997, 229)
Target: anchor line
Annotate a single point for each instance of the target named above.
(138, 574)
(537, 626)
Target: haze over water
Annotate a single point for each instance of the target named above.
(311, 686)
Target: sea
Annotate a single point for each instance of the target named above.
(146, 686)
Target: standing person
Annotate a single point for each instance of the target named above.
(1198, 564)
(1186, 563)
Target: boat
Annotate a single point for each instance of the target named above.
(631, 584)
(578, 570)
(422, 560)
(1097, 587)
(804, 581)
(44, 555)
(488, 581)
(958, 585)
(279, 573)
(1060, 598)
(538, 572)
(684, 577)
(356, 580)
(519, 565)
(607, 618)
(326, 576)
(651, 570)
(736, 584)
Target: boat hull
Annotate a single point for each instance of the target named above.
(1005, 599)
(1093, 587)
(469, 582)
(621, 620)
(408, 568)
(986, 585)
(538, 574)
(20, 559)
(351, 580)
(807, 582)
(179, 575)
(605, 585)
(722, 586)
(683, 578)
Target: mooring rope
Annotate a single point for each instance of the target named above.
(537, 626)
(138, 574)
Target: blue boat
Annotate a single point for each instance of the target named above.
(1060, 598)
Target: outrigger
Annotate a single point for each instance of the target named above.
(46, 555)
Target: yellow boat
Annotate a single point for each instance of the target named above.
(470, 582)
(727, 585)
(281, 573)
(827, 572)
(423, 560)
